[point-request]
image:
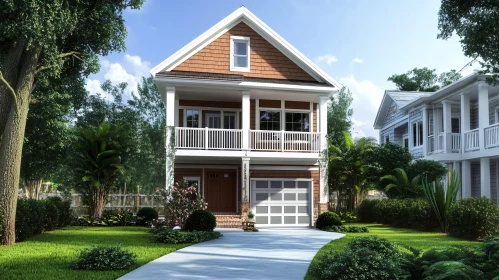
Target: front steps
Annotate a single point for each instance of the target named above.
(228, 220)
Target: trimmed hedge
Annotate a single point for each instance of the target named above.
(345, 229)
(473, 218)
(407, 213)
(328, 219)
(36, 216)
(365, 211)
(170, 236)
(200, 220)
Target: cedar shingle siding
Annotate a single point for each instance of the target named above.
(265, 60)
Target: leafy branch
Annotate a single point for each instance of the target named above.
(14, 96)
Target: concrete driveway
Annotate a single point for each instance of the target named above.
(268, 254)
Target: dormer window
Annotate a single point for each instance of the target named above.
(239, 54)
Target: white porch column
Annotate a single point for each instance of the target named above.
(323, 121)
(245, 188)
(466, 178)
(456, 166)
(465, 123)
(485, 177)
(447, 114)
(483, 113)
(246, 118)
(425, 131)
(170, 124)
(435, 129)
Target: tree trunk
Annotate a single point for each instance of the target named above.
(100, 202)
(11, 144)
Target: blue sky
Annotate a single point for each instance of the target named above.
(359, 43)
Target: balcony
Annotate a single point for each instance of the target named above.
(472, 140)
(259, 140)
(492, 136)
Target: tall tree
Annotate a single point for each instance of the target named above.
(423, 79)
(36, 39)
(475, 22)
(339, 116)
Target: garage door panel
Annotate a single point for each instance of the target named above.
(281, 202)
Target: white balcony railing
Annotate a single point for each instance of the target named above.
(453, 142)
(260, 140)
(431, 144)
(284, 141)
(492, 136)
(471, 140)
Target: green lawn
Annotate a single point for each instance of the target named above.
(403, 237)
(47, 255)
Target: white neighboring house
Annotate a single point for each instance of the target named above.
(457, 125)
(249, 113)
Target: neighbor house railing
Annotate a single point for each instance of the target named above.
(454, 142)
(492, 136)
(471, 140)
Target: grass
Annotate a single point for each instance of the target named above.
(403, 237)
(47, 256)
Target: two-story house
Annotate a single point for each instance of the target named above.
(249, 119)
(457, 125)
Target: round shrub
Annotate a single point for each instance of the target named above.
(51, 218)
(380, 245)
(146, 214)
(328, 219)
(452, 270)
(365, 211)
(435, 255)
(200, 220)
(104, 258)
(473, 218)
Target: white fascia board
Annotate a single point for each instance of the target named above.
(246, 85)
(243, 14)
(382, 108)
(403, 119)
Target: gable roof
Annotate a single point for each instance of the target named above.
(401, 99)
(242, 14)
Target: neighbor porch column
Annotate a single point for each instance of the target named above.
(245, 188)
(246, 119)
(170, 126)
(447, 114)
(485, 177)
(465, 123)
(483, 113)
(323, 121)
(435, 129)
(466, 178)
(456, 166)
(424, 111)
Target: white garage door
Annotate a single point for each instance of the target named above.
(281, 202)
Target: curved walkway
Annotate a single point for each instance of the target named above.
(268, 254)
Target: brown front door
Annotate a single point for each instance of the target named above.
(220, 190)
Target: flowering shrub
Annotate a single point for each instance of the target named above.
(180, 201)
(157, 224)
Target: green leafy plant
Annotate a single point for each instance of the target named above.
(200, 220)
(327, 219)
(344, 229)
(347, 217)
(118, 217)
(402, 185)
(473, 218)
(170, 236)
(104, 258)
(251, 215)
(51, 218)
(408, 213)
(145, 215)
(64, 210)
(452, 270)
(440, 199)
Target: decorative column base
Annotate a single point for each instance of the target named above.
(323, 207)
(245, 208)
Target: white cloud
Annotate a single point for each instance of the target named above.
(129, 70)
(327, 58)
(366, 100)
(357, 60)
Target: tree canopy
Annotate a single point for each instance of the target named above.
(423, 79)
(475, 22)
(339, 116)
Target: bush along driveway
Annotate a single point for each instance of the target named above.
(268, 254)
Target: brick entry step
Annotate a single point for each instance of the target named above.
(228, 220)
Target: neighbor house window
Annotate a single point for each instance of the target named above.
(417, 134)
(239, 53)
(387, 138)
(192, 118)
(270, 120)
(297, 122)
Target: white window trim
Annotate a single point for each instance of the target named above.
(223, 111)
(417, 134)
(239, 38)
(194, 178)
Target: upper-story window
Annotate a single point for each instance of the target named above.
(239, 53)
(297, 122)
(192, 118)
(270, 120)
(417, 134)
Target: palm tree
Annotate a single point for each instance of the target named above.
(402, 185)
(97, 164)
